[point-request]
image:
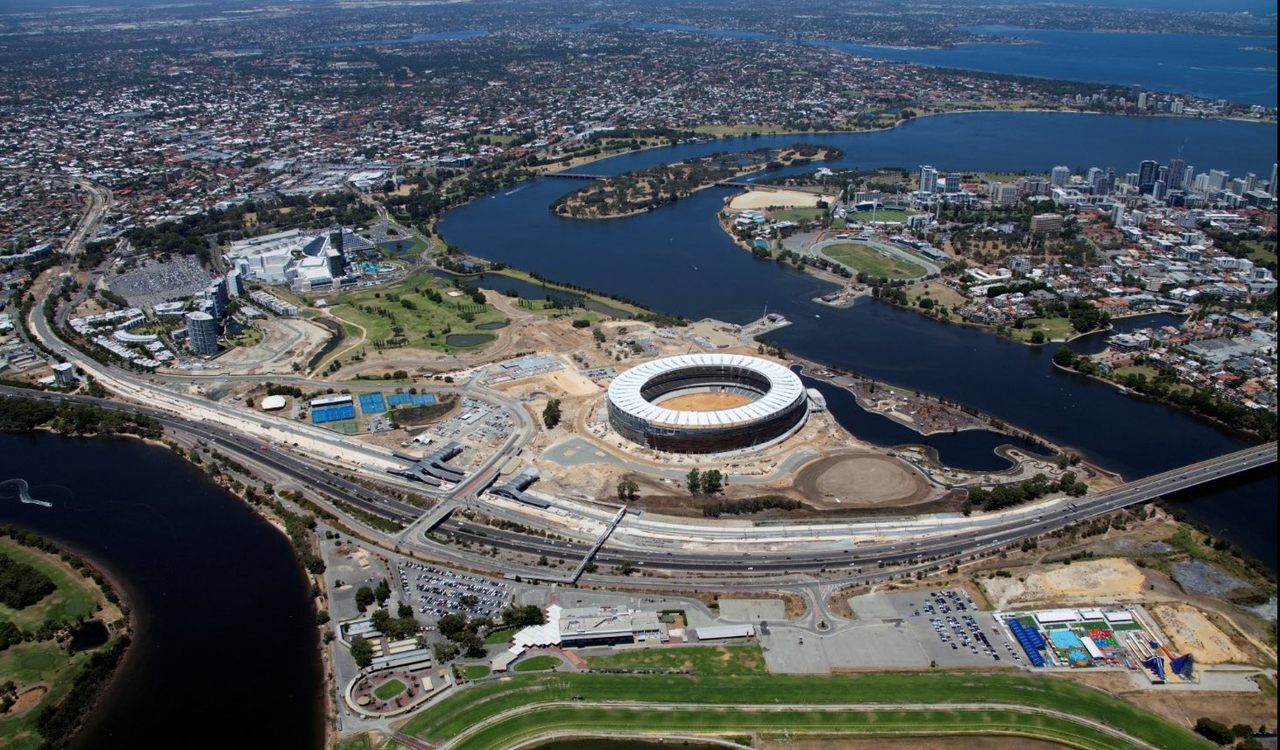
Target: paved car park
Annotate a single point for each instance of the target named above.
(893, 630)
(435, 592)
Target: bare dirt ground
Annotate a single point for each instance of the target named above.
(776, 199)
(284, 342)
(860, 481)
(27, 700)
(1191, 631)
(1183, 706)
(706, 401)
(1089, 582)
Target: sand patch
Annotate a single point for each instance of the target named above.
(27, 700)
(706, 401)
(860, 481)
(1190, 631)
(755, 199)
(1089, 582)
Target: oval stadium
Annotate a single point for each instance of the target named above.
(706, 403)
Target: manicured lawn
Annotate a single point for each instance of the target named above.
(1054, 329)
(798, 215)
(422, 323)
(501, 635)
(474, 671)
(73, 599)
(868, 260)
(469, 707)
(537, 664)
(939, 293)
(793, 723)
(709, 660)
(863, 217)
(389, 689)
(748, 129)
(359, 742)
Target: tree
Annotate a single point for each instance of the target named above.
(694, 481)
(383, 592)
(712, 482)
(519, 617)
(1064, 357)
(361, 651)
(551, 413)
(444, 652)
(472, 643)
(404, 610)
(451, 625)
(364, 597)
(628, 490)
(1215, 731)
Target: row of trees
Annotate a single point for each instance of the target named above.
(709, 482)
(1006, 495)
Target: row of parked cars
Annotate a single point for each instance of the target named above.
(438, 592)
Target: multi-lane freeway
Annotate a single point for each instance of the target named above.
(836, 551)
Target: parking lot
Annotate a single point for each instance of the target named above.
(152, 282)
(895, 630)
(435, 592)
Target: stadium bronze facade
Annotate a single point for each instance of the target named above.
(674, 404)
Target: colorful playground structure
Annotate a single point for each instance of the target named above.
(1084, 638)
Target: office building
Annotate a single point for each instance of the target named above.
(1003, 194)
(1117, 215)
(235, 283)
(1142, 100)
(952, 182)
(1271, 185)
(1059, 176)
(1146, 175)
(1046, 224)
(1173, 176)
(202, 333)
(218, 299)
(1218, 179)
(1157, 190)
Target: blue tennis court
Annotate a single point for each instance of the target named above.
(411, 399)
(372, 403)
(332, 414)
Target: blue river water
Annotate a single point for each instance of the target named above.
(676, 259)
(1235, 68)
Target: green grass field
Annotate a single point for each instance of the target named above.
(1054, 329)
(422, 327)
(798, 215)
(537, 664)
(501, 635)
(389, 689)
(467, 708)
(359, 742)
(862, 217)
(474, 671)
(73, 600)
(865, 259)
(709, 660)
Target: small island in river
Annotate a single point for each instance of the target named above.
(646, 189)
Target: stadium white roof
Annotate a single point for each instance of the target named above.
(784, 388)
